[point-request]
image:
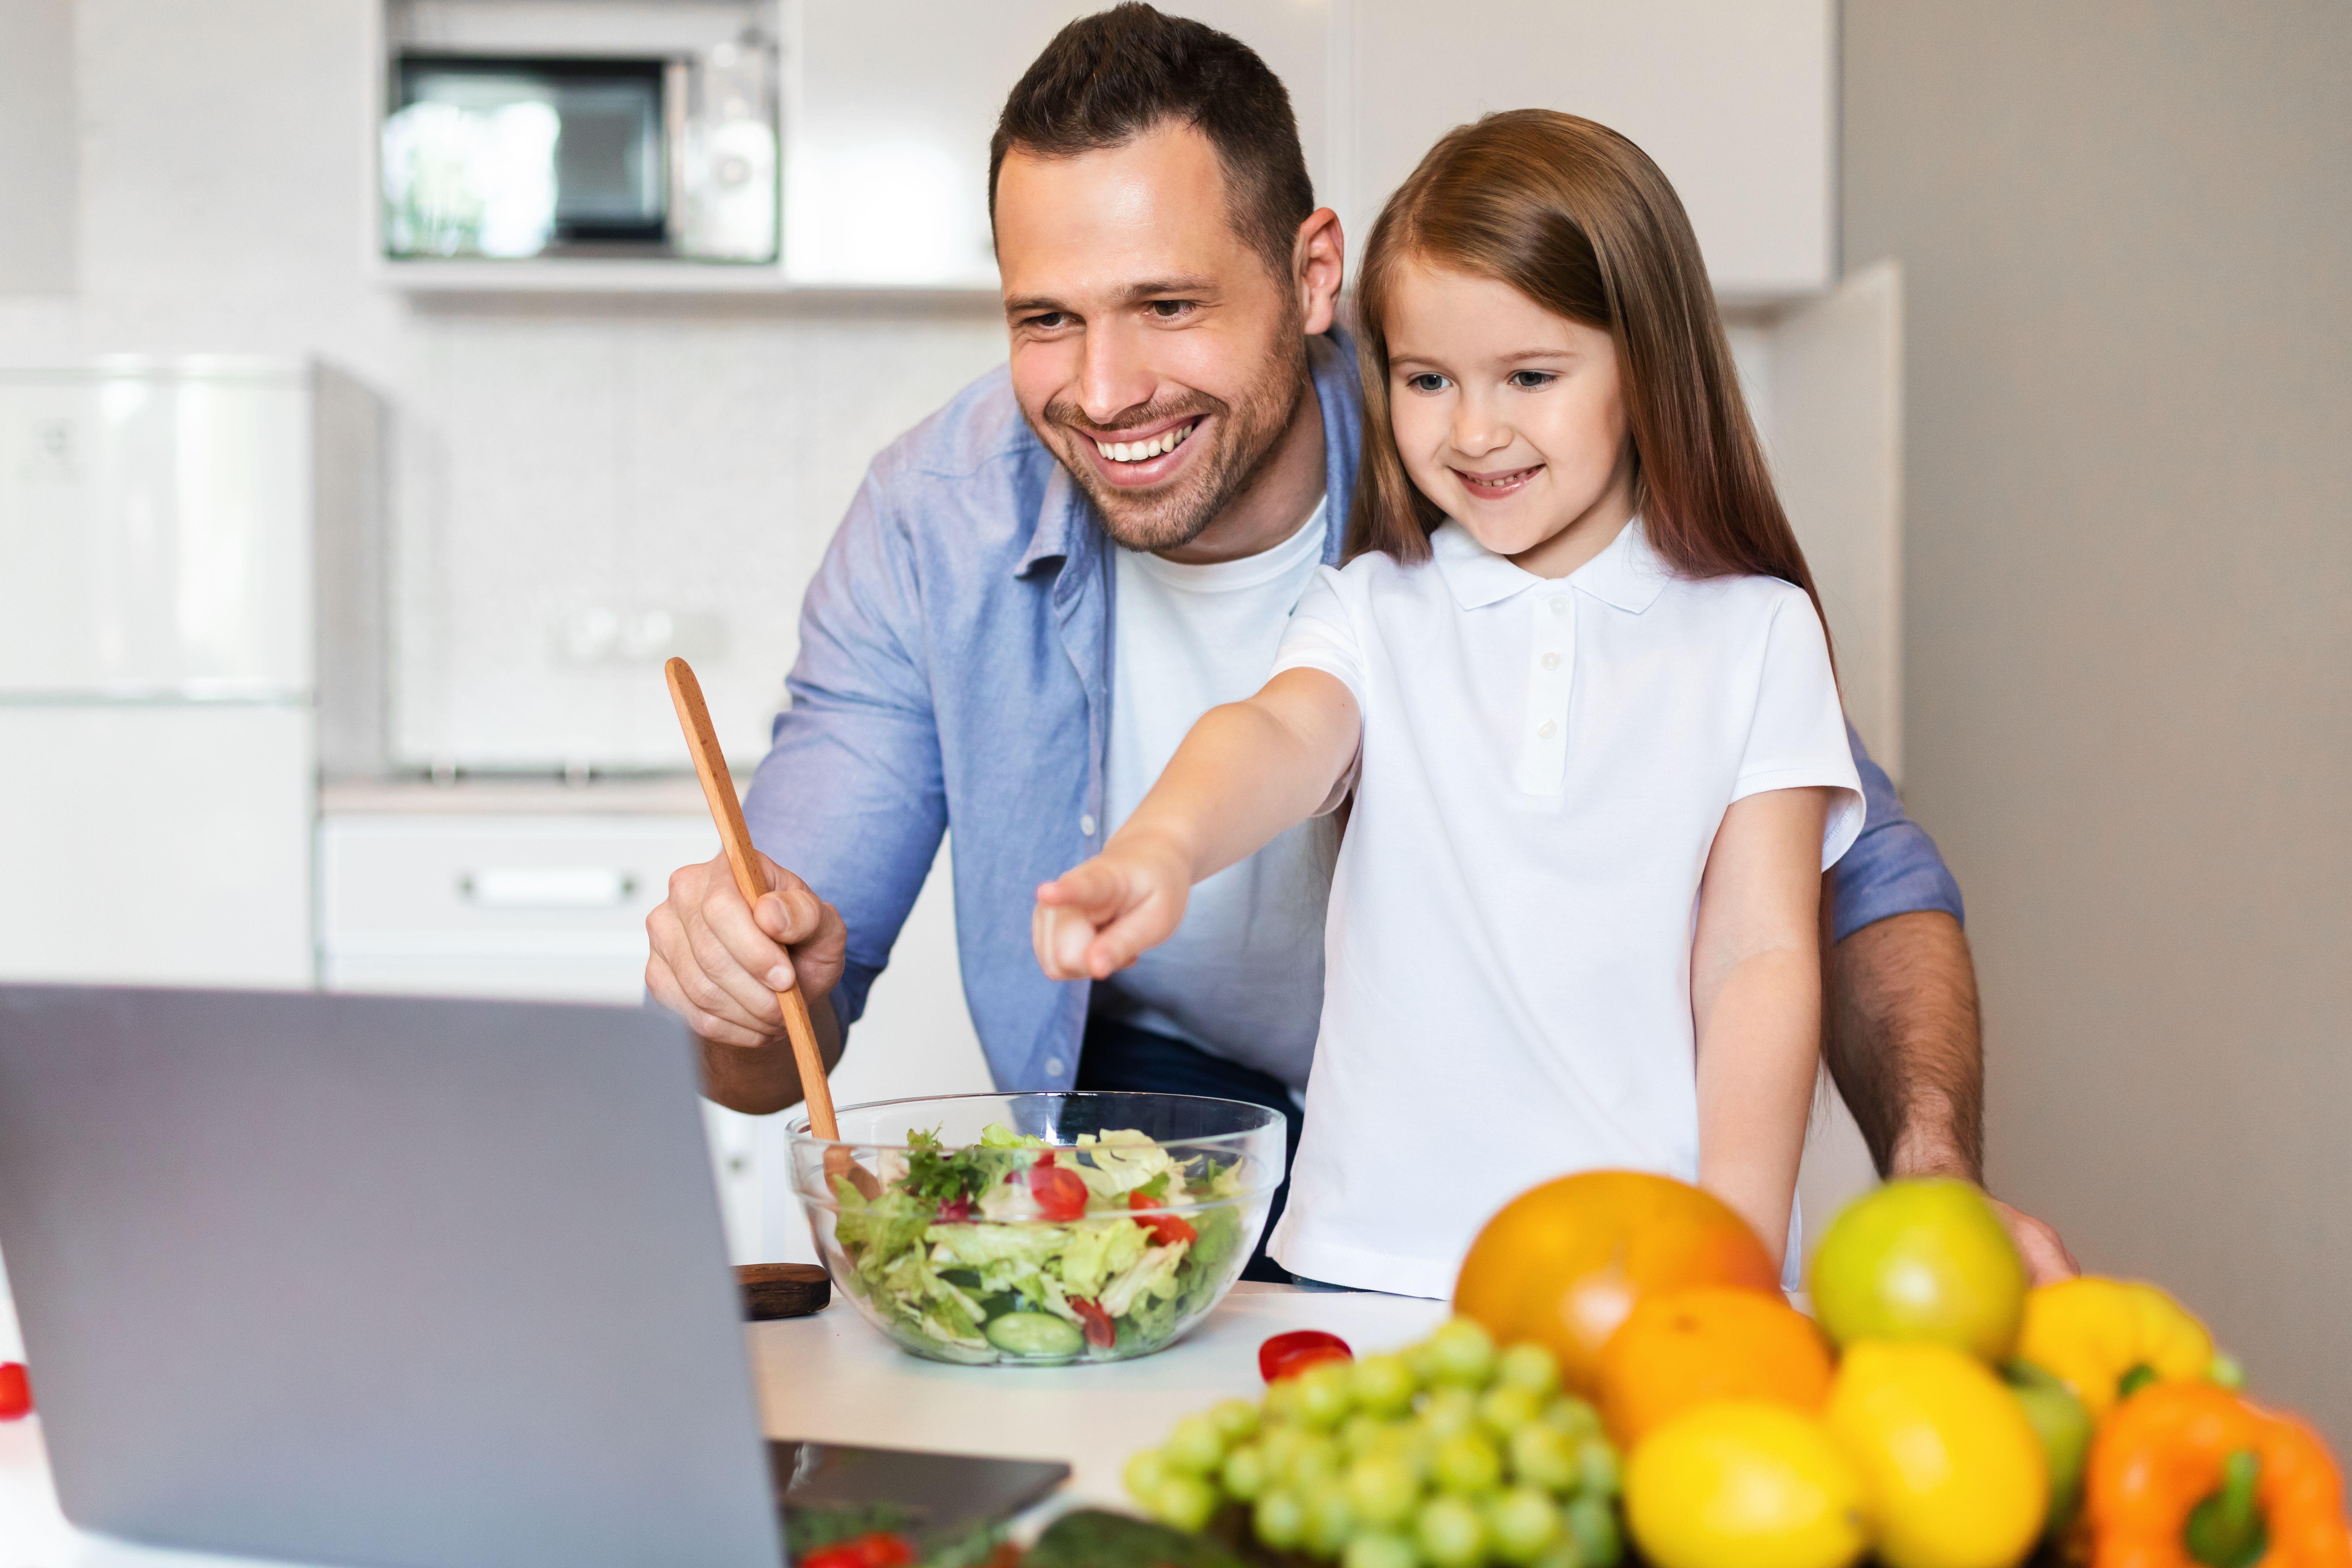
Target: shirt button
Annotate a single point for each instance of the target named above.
(1547, 730)
(1551, 661)
(1052, 1067)
(1560, 604)
(1086, 826)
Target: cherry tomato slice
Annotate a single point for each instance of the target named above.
(1100, 1332)
(1167, 1229)
(878, 1550)
(1288, 1355)
(1061, 1195)
(15, 1393)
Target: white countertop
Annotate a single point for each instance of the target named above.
(832, 1378)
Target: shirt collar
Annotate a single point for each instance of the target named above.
(1067, 526)
(1629, 575)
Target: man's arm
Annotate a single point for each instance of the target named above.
(1901, 1035)
(1901, 1032)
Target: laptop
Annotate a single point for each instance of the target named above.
(396, 1280)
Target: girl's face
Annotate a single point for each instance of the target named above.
(1509, 418)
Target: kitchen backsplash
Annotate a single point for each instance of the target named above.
(576, 500)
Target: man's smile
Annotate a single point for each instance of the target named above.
(1144, 456)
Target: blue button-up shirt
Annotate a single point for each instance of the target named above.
(954, 671)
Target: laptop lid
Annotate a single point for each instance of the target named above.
(377, 1280)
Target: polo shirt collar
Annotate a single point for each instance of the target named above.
(1629, 575)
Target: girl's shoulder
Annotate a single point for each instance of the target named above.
(1738, 593)
(1374, 576)
(1373, 565)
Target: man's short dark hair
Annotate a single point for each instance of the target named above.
(1109, 78)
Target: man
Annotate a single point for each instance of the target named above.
(1038, 589)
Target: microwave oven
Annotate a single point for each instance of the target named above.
(504, 157)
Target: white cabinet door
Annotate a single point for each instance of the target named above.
(155, 530)
(889, 105)
(1734, 99)
(165, 845)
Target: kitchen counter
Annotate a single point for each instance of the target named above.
(632, 795)
(832, 1378)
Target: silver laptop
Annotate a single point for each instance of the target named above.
(377, 1281)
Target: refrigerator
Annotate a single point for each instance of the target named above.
(158, 722)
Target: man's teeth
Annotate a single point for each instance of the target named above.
(1139, 451)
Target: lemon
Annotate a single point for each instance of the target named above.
(1924, 1259)
(1744, 1484)
(1954, 1473)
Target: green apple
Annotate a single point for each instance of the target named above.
(2059, 1419)
(1921, 1260)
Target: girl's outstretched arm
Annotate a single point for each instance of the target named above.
(1756, 998)
(1247, 771)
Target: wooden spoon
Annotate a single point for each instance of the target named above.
(718, 789)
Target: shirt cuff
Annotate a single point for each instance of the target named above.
(1891, 870)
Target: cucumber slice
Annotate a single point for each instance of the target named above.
(1035, 1333)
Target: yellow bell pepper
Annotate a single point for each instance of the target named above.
(2098, 1334)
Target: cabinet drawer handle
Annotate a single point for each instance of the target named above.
(547, 888)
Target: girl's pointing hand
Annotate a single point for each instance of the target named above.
(1097, 918)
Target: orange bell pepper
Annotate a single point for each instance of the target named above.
(2186, 1473)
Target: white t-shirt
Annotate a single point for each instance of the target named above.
(1543, 769)
(1243, 977)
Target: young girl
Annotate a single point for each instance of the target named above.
(1574, 679)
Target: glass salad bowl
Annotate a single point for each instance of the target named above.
(1038, 1229)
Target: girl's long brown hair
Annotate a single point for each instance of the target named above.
(1577, 219)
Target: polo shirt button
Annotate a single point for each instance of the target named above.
(1560, 604)
(1052, 1067)
(1547, 730)
(1086, 826)
(1551, 661)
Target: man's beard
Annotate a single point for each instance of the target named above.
(1247, 432)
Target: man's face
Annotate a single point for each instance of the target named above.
(1154, 352)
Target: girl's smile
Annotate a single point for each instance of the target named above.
(1509, 418)
(1487, 487)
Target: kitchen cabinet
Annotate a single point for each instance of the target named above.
(890, 103)
(156, 844)
(887, 107)
(159, 693)
(537, 890)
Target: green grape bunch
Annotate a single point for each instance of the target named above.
(1451, 1453)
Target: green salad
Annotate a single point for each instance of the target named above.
(1018, 1248)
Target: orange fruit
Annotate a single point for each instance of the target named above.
(1563, 1263)
(1682, 1348)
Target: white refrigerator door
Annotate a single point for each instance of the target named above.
(164, 843)
(155, 530)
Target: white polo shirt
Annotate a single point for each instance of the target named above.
(1507, 957)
